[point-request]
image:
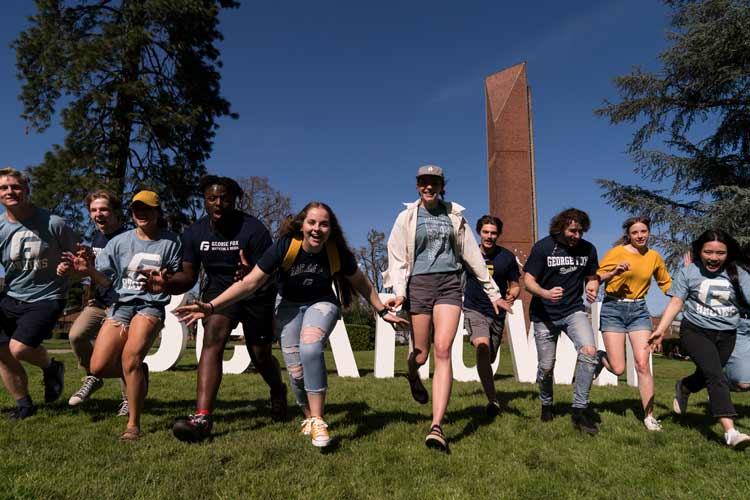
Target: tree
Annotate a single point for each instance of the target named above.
(374, 258)
(698, 105)
(261, 200)
(140, 85)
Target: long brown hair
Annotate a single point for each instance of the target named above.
(625, 238)
(292, 226)
(733, 261)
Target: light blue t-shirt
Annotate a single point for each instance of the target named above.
(434, 243)
(710, 299)
(30, 251)
(126, 254)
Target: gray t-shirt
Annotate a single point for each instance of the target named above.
(126, 254)
(710, 299)
(434, 243)
(30, 251)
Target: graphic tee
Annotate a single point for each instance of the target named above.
(553, 264)
(30, 251)
(218, 251)
(434, 243)
(309, 277)
(104, 296)
(710, 299)
(503, 268)
(126, 254)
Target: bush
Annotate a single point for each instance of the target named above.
(361, 337)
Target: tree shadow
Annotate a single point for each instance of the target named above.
(477, 417)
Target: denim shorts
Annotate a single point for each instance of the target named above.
(738, 366)
(623, 316)
(123, 312)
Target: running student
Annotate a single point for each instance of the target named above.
(137, 316)
(104, 209)
(227, 243)
(427, 245)
(712, 288)
(310, 256)
(484, 325)
(556, 270)
(31, 244)
(738, 365)
(627, 269)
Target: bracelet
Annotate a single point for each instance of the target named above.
(212, 308)
(383, 312)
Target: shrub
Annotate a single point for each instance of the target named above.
(361, 337)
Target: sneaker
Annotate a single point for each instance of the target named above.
(600, 355)
(547, 414)
(737, 440)
(493, 409)
(306, 427)
(582, 422)
(192, 429)
(680, 402)
(319, 432)
(90, 385)
(123, 410)
(436, 439)
(54, 379)
(131, 434)
(418, 392)
(652, 424)
(279, 405)
(21, 412)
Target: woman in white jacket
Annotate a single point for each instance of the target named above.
(429, 243)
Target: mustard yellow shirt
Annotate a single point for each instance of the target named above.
(634, 283)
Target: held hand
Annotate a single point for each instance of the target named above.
(554, 294)
(85, 252)
(395, 302)
(191, 313)
(243, 267)
(77, 262)
(501, 304)
(396, 320)
(654, 340)
(510, 298)
(621, 268)
(64, 268)
(592, 290)
(156, 281)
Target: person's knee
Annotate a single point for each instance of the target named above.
(312, 335)
(419, 356)
(131, 362)
(588, 350)
(97, 367)
(296, 373)
(19, 350)
(642, 367)
(442, 351)
(742, 386)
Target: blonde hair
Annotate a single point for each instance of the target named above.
(18, 175)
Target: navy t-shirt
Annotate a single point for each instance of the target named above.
(104, 296)
(503, 268)
(555, 264)
(218, 250)
(309, 278)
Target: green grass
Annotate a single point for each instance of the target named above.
(65, 453)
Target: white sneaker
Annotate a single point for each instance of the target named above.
(680, 402)
(90, 385)
(652, 424)
(737, 440)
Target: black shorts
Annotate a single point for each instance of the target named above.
(28, 322)
(255, 315)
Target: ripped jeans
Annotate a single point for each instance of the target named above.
(578, 329)
(303, 330)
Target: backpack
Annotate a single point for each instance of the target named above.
(334, 262)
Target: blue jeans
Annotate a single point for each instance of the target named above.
(578, 328)
(738, 366)
(303, 330)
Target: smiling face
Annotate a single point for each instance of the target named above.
(144, 217)
(488, 235)
(638, 234)
(101, 213)
(429, 188)
(316, 228)
(713, 255)
(218, 202)
(572, 234)
(12, 191)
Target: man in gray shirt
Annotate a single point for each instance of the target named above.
(31, 244)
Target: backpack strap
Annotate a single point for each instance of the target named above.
(334, 261)
(291, 254)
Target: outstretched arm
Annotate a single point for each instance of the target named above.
(360, 283)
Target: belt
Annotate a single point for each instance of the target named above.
(618, 299)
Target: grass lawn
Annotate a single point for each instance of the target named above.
(379, 451)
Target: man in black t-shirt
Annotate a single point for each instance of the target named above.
(104, 209)
(485, 327)
(556, 271)
(227, 243)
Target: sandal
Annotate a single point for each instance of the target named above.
(131, 434)
(436, 439)
(418, 392)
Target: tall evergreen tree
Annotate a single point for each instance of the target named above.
(697, 105)
(138, 83)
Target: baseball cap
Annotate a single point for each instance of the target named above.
(147, 198)
(430, 170)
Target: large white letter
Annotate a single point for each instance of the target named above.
(173, 340)
(239, 361)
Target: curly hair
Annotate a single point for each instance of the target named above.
(562, 220)
(115, 204)
(489, 219)
(292, 226)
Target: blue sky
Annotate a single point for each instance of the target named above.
(341, 101)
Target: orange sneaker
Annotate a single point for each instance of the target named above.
(319, 432)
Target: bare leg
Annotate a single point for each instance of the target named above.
(141, 335)
(641, 353)
(484, 367)
(421, 327)
(216, 333)
(445, 318)
(614, 343)
(36, 356)
(106, 358)
(13, 375)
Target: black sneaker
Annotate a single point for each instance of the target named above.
(583, 422)
(193, 429)
(493, 409)
(436, 439)
(279, 405)
(54, 379)
(600, 356)
(418, 392)
(546, 415)
(21, 412)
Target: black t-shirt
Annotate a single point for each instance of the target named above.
(554, 264)
(309, 278)
(104, 296)
(503, 268)
(219, 250)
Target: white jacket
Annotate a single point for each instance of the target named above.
(401, 244)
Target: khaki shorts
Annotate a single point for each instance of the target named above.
(479, 325)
